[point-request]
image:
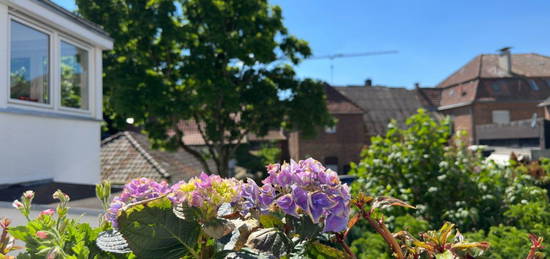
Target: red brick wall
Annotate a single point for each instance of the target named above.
(462, 121)
(483, 112)
(346, 144)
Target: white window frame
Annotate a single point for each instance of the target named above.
(51, 79)
(55, 38)
(89, 51)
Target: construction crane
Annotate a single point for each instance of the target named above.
(350, 55)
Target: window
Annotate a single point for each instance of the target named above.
(29, 64)
(501, 117)
(331, 163)
(496, 86)
(74, 76)
(533, 84)
(48, 69)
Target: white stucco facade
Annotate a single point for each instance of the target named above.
(43, 140)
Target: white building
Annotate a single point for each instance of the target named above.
(50, 93)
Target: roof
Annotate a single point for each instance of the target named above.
(429, 97)
(128, 155)
(487, 66)
(74, 17)
(339, 104)
(382, 104)
(193, 137)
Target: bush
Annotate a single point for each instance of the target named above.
(425, 165)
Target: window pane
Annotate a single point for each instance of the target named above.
(74, 76)
(30, 64)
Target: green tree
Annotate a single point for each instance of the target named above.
(226, 64)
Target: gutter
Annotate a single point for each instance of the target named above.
(456, 105)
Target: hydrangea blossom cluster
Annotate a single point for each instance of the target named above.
(207, 192)
(306, 188)
(134, 191)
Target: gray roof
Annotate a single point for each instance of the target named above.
(382, 104)
(74, 17)
(128, 155)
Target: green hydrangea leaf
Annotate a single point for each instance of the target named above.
(153, 231)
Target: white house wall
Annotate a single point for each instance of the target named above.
(37, 148)
(43, 144)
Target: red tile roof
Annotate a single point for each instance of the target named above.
(128, 155)
(487, 66)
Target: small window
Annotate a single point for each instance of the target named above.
(29, 64)
(496, 86)
(533, 84)
(331, 162)
(330, 130)
(501, 117)
(74, 76)
(451, 92)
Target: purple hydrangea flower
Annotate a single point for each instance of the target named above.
(287, 204)
(302, 188)
(134, 191)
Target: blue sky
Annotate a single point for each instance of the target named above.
(434, 37)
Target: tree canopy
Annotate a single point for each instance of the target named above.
(228, 65)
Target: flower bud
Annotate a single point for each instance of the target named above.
(17, 204)
(28, 194)
(48, 212)
(42, 234)
(5, 222)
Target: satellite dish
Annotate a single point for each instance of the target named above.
(534, 120)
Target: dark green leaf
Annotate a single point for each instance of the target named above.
(269, 240)
(153, 231)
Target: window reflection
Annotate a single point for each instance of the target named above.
(74, 76)
(29, 64)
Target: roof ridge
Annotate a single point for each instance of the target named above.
(460, 68)
(146, 155)
(112, 138)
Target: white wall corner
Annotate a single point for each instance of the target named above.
(4, 78)
(98, 79)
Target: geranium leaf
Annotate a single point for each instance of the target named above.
(153, 230)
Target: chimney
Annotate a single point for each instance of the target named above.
(505, 59)
(368, 82)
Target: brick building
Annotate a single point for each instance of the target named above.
(362, 112)
(336, 146)
(493, 89)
